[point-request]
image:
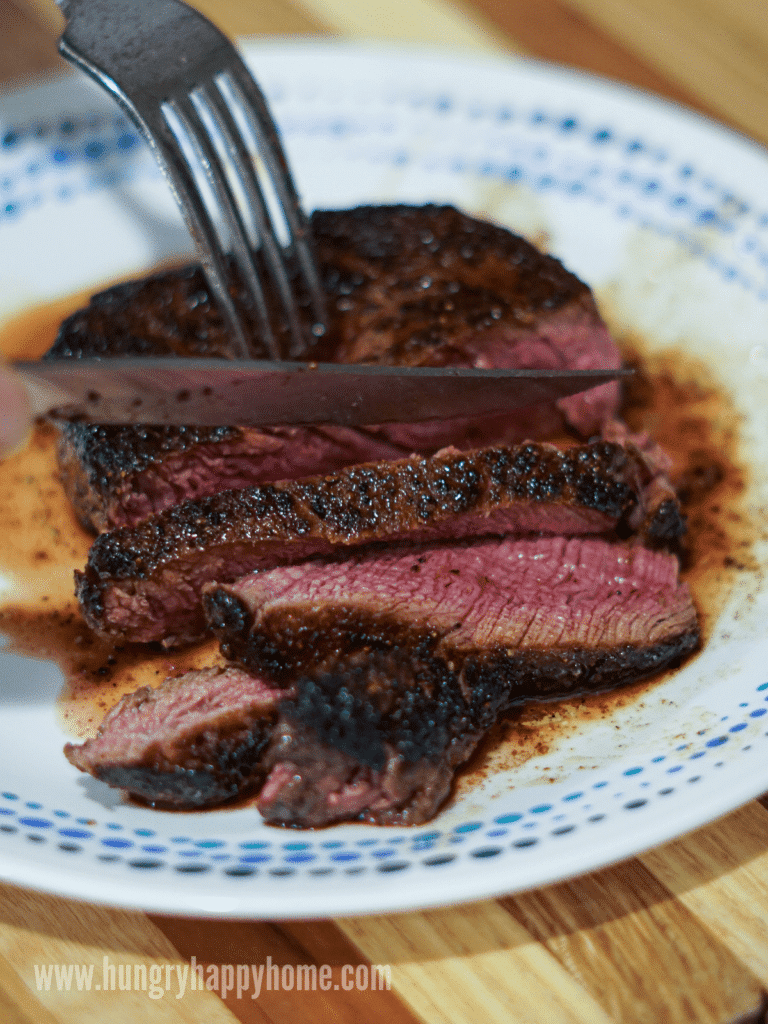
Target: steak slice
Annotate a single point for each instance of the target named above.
(144, 583)
(312, 783)
(117, 476)
(401, 661)
(209, 736)
(659, 521)
(195, 741)
(423, 285)
(553, 615)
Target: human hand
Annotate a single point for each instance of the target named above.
(15, 413)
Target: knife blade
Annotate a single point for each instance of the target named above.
(219, 392)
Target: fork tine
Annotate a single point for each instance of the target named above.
(165, 146)
(260, 119)
(183, 83)
(271, 248)
(185, 110)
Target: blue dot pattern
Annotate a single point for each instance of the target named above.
(98, 150)
(507, 834)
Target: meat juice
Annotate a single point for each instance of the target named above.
(43, 544)
(673, 396)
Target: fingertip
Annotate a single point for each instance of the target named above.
(15, 414)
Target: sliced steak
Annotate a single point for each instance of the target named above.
(196, 741)
(313, 783)
(117, 476)
(400, 661)
(375, 735)
(552, 614)
(143, 583)
(207, 737)
(412, 285)
(385, 672)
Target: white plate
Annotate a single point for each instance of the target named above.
(661, 211)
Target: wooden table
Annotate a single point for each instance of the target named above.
(678, 934)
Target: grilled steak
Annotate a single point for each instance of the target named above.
(196, 741)
(430, 286)
(144, 583)
(386, 670)
(472, 580)
(413, 285)
(552, 615)
(401, 661)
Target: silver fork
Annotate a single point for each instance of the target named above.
(188, 91)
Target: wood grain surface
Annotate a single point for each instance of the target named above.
(676, 935)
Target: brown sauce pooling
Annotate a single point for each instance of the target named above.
(41, 543)
(673, 396)
(676, 399)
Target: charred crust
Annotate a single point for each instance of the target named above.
(210, 771)
(431, 274)
(667, 525)
(284, 645)
(597, 476)
(80, 483)
(573, 672)
(167, 313)
(391, 701)
(366, 682)
(226, 613)
(336, 709)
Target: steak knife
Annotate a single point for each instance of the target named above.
(221, 392)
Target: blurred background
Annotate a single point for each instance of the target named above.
(711, 55)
